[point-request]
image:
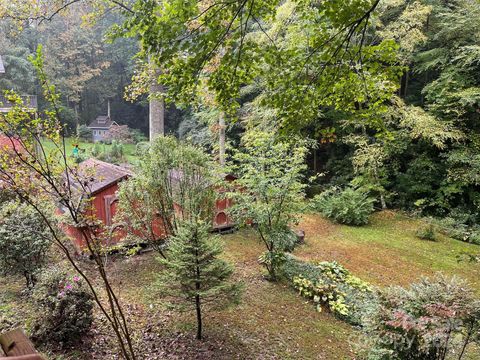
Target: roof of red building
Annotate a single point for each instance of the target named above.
(98, 175)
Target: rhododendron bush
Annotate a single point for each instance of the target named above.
(64, 308)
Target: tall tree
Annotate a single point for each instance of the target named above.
(301, 48)
(74, 55)
(174, 182)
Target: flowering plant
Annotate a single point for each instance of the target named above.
(66, 308)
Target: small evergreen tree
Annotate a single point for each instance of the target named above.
(194, 274)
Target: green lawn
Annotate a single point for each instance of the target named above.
(86, 149)
(272, 322)
(387, 251)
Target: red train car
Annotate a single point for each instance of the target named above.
(102, 183)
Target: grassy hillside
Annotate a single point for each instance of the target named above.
(272, 322)
(387, 251)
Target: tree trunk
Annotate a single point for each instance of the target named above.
(157, 108)
(77, 122)
(198, 307)
(221, 139)
(382, 201)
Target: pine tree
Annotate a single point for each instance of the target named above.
(194, 276)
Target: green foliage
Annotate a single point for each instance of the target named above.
(138, 136)
(64, 308)
(432, 319)
(19, 73)
(225, 46)
(270, 171)
(116, 150)
(345, 206)
(194, 128)
(426, 232)
(460, 226)
(322, 294)
(329, 285)
(96, 150)
(84, 133)
(174, 182)
(141, 148)
(24, 241)
(114, 154)
(194, 276)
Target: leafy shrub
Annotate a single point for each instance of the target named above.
(313, 190)
(432, 319)
(116, 150)
(120, 133)
(322, 293)
(426, 232)
(24, 241)
(141, 148)
(460, 229)
(96, 150)
(64, 307)
(285, 240)
(329, 285)
(348, 206)
(138, 136)
(84, 133)
(113, 155)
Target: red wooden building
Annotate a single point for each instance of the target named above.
(102, 183)
(10, 146)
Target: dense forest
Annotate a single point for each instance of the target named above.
(421, 153)
(336, 142)
(88, 71)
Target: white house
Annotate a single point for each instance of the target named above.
(100, 127)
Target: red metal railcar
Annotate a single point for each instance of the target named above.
(103, 184)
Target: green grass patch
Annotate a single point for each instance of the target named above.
(86, 149)
(387, 251)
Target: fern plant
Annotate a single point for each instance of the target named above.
(344, 206)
